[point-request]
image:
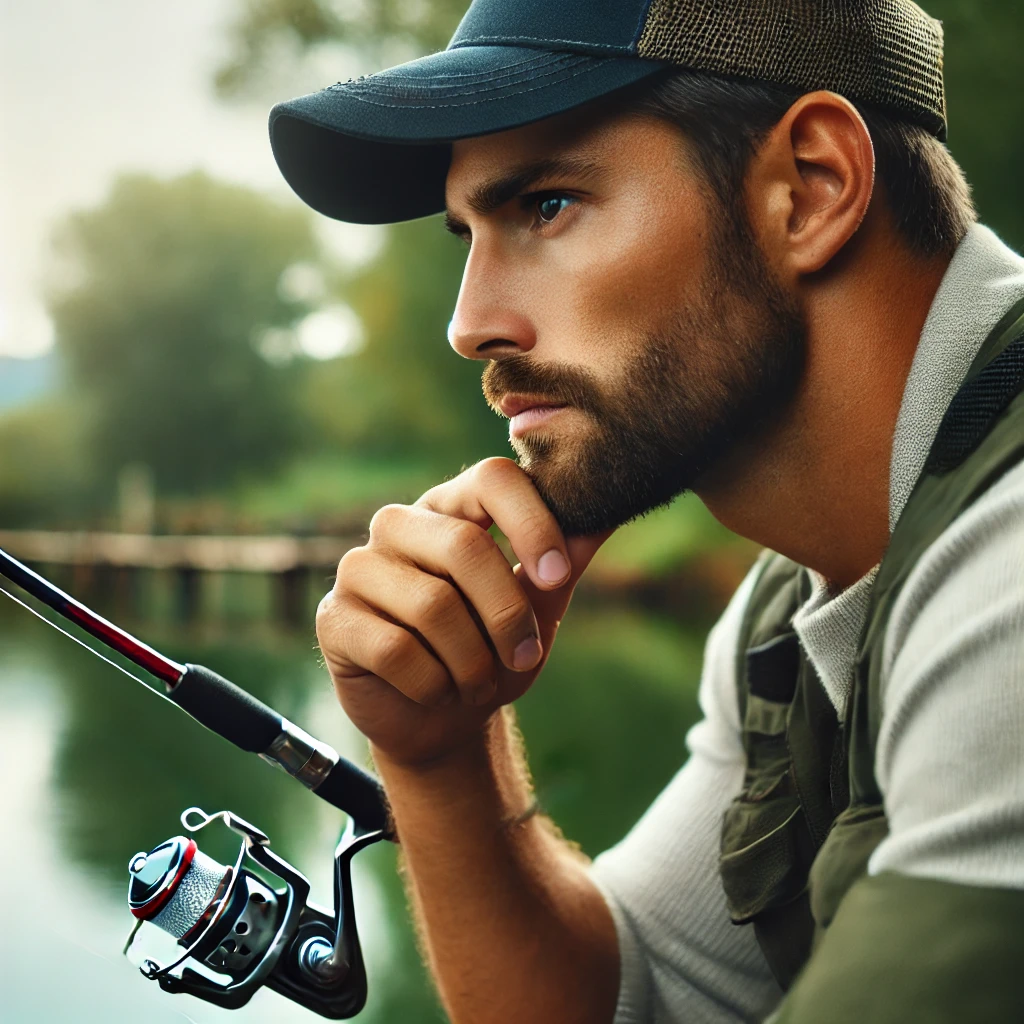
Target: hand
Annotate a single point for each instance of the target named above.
(429, 630)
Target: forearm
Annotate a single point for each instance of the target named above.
(513, 927)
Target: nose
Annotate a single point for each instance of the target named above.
(489, 322)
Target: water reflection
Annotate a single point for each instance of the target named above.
(94, 769)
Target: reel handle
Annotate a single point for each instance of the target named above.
(241, 718)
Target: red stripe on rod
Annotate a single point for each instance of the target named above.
(106, 632)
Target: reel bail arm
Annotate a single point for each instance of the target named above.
(239, 933)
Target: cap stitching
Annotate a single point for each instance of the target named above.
(487, 99)
(492, 40)
(439, 92)
(507, 70)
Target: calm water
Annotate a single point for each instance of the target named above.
(94, 769)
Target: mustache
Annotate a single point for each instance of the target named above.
(556, 383)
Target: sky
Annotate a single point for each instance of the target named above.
(91, 88)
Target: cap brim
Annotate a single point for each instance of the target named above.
(377, 150)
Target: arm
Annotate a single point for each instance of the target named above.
(513, 928)
(428, 634)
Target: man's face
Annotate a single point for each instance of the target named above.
(636, 337)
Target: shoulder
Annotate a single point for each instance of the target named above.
(972, 570)
(949, 747)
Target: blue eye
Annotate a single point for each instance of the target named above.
(549, 208)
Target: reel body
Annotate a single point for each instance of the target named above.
(240, 933)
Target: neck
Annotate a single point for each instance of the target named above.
(817, 489)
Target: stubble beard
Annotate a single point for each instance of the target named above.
(718, 374)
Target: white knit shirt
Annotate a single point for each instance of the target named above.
(950, 757)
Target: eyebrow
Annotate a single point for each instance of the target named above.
(492, 195)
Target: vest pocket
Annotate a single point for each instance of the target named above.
(762, 850)
(844, 858)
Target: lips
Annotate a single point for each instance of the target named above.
(514, 405)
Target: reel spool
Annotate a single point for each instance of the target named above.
(239, 933)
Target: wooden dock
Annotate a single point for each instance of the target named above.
(118, 558)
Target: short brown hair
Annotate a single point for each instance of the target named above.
(725, 119)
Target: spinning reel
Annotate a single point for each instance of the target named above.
(239, 932)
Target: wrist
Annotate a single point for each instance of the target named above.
(468, 750)
(481, 784)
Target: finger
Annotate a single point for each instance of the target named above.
(467, 554)
(432, 607)
(355, 640)
(549, 605)
(497, 491)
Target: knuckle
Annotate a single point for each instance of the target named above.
(477, 670)
(395, 649)
(349, 565)
(433, 600)
(468, 542)
(429, 499)
(496, 470)
(333, 633)
(429, 687)
(536, 522)
(386, 520)
(325, 612)
(509, 614)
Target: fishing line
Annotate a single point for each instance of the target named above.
(291, 945)
(91, 650)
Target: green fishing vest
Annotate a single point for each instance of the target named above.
(797, 840)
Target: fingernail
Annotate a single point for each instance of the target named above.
(527, 654)
(483, 694)
(552, 567)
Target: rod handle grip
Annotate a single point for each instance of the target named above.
(241, 718)
(226, 709)
(359, 794)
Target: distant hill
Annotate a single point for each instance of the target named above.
(23, 380)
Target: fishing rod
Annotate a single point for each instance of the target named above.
(238, 931)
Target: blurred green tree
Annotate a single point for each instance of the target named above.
(170, 286)
(406, 392)
(45, 467)
(986, 104)
(374, 29)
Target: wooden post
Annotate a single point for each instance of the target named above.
(291, 596)
(189, 593)
(127, 592)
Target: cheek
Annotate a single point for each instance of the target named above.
(625, 268)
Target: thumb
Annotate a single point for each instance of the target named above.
(549, 605)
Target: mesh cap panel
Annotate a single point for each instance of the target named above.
(884, 52)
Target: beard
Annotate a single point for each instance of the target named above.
(714, 377)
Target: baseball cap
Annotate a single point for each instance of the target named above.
(376, 150)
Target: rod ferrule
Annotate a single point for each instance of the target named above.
(302, 756)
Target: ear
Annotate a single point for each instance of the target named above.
(811, 182)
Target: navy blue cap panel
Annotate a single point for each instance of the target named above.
(588, 26)
(361, 181)
(376, 151)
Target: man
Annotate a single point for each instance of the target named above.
(717, 247)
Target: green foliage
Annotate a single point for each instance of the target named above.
(407, 393)
(173, 281)
(327, 491)
(986, 104)
(374, 28)
(43, 463)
